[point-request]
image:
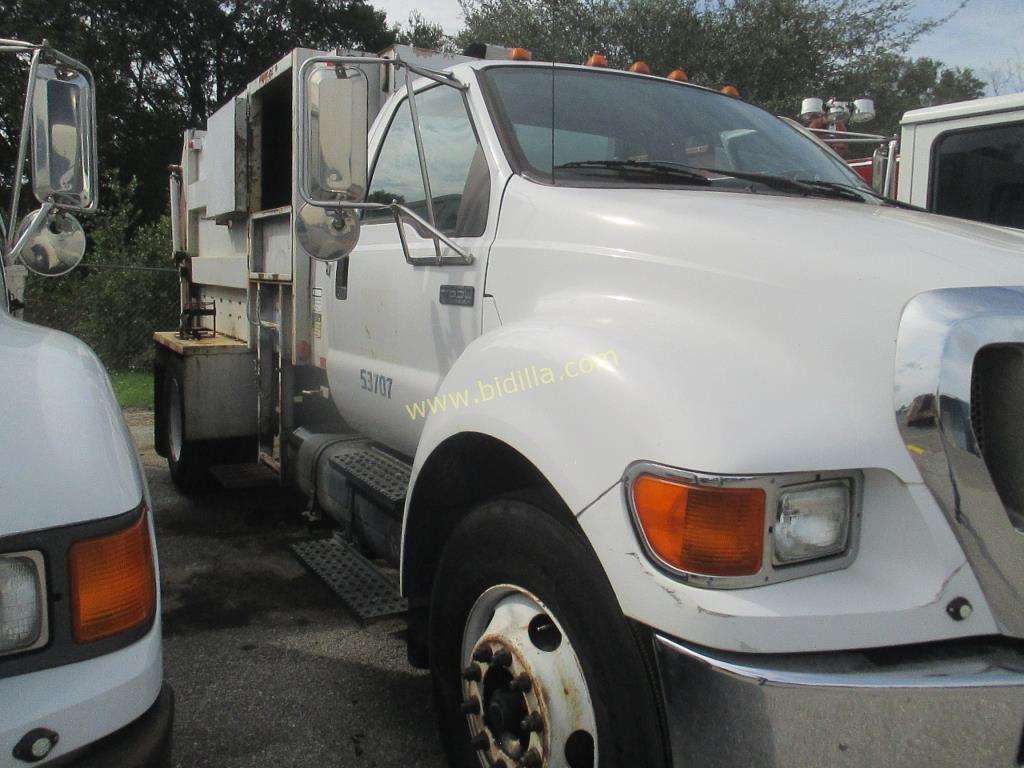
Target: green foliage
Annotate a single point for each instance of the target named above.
(776, 52)
(125, 289)
(421, 33)
(898, 84)
(161, 67)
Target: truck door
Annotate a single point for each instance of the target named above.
(396, 329)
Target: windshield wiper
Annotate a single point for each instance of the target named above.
(873, 193)
(800, 186)
(664, 170)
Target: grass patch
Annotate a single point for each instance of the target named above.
(134, 389)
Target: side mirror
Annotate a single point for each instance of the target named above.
(879, 163)
(332, 134)
(50, 242)
(332, 163)
(64, 137)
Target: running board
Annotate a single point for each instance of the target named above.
(366, 591)
(381, 477)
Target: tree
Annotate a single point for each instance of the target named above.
(162, 67)
(1007, 77)
(420, 33)
(774, 51)
(898, 84)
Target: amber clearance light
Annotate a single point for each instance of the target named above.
(113, 585)
(700, 530)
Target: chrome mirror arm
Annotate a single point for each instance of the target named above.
(19, 163)
(38, 223)
(401, 213)
(422, 157)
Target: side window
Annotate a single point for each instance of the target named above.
(459, 179)
(979, 174)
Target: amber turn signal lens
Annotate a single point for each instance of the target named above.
(707, 531)
(640, 67)
(597, 60)
(113, 584)
(679, 75)
(519, 54)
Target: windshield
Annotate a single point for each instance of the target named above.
(584, 127)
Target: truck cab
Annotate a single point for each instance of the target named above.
(966, 159)
(676, 471)
(81, 674)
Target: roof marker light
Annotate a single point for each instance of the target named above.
(597, 60)
(640, 67)
(679, 75)
(730, 90)
(520, 54)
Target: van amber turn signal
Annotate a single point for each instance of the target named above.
(701, 530)
(113, 584)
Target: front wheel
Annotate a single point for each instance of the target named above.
(533, 662)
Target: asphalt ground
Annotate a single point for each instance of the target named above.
(268, 667)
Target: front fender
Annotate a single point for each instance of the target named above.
(581, 432)
(562, 396)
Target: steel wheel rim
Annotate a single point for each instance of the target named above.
(519, 665)
(174, 425)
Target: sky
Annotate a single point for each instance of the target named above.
(985, 34)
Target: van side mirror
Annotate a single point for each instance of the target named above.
(63, 143)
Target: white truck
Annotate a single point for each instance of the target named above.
(964, 159)
(81, 672)
(691, 448)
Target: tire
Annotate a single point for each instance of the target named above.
(186, 458)
(514, 578)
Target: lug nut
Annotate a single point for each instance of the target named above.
(480, 742)
(532, 723)
(959, 609)
(472, 673)
(521, 683)
(471, 706)
(503, 658)
(532, 759)
(483, 654)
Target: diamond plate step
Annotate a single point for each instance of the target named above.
(377, 474)
(362, 587)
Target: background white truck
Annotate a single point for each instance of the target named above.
(81, 674)
(964, 159)
(692, 449)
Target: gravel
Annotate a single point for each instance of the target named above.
(268, 667)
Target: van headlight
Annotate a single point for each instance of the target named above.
(22, 602)
(812, 521)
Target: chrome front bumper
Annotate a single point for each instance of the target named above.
(958, 706)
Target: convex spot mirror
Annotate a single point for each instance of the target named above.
(64, 137)
(327, 235)
(50, 242)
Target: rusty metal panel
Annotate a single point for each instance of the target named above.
(220, 393)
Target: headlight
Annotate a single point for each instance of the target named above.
(812, 521)
(22, 602)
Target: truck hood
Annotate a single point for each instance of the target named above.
(765, 324)
(65, 454)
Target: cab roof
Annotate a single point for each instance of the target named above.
(971, 108)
